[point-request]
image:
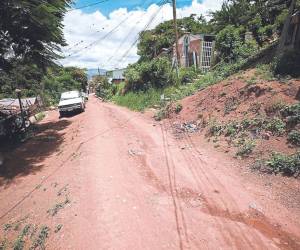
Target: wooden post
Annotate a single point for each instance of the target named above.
(18, 91)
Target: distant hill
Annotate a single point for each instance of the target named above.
(93, 72)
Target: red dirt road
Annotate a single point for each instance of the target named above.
(110, 178)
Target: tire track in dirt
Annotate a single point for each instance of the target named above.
(253, 219)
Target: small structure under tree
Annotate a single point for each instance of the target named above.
(196, 50)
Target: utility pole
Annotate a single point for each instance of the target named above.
(176, 32)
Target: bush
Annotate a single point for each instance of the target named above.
(246, 148)
(178, 108)
(288, 63)
(227, 41)
(294, 137)
(292, 114)
(106, 91)
(214, 129)
(186, 75)
(151, 74)
(245, 50)
(231, 129)
(276, 126)
(285, 164)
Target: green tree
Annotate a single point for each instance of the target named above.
(31, 31)
(151, 42)
(227, 42)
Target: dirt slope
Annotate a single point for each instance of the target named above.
(113, 179)
(243, 97)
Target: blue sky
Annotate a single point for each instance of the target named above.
(88, 31)
(111, 5)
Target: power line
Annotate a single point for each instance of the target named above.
(146, 26)
(125, 39)
(88, 5)
(106, 35)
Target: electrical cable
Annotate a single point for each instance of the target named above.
(146, 26)
(88, 5)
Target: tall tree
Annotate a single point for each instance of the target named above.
(31, 31)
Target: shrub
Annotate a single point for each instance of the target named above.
(246, 148)
(248, 48)
(285, 164)
(292, 114)
(231, 129)
(151, 74)
(214, 129)
(275, 107)
(164, 112)
(294, 137)
(178, 108)
(227, 41)
(186, 75)
(276, 126)
(288, 63)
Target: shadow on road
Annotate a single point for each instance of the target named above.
(26, 158)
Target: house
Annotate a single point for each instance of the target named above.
(116, 76)
(195, 50)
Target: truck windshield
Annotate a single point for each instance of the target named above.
(70, 95)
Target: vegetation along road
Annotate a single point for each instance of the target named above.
(110, 178)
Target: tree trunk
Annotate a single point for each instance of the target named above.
(285, 30)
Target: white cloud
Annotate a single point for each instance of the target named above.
(83, 33)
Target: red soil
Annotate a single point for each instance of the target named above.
(121, 181)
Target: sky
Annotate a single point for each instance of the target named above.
(104, 35)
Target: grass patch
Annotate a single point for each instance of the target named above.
(139, 101)
(40, 116)
(265, 72)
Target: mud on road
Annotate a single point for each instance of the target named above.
(110, 178)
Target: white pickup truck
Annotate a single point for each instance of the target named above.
(71, 101)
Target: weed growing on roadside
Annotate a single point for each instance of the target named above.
(251, 81)
(276, 126)
(19, 243)
(265, 72)
(54, 210)
(231, 104)
(285, 164)
(214, 128)
(58, 228)
(275, 107)
(39, 241)
(178, 108)
(294, 137)
(291, 114)
(231, 129)
(245, 148)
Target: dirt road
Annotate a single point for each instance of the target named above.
(114, 179)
